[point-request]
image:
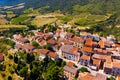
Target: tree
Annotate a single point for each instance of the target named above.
(34, 43)
(23, 72)
(2, 67)
(83, 69)
(30, 58)
(9, 78)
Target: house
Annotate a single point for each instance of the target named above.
(69, 35)
(96, 38)
(38, 33)
(43, 53)
(99, 57)
(19, 38)
(65, 42)
(86, 76)
(52, 43)
(100, 77)
(71, 64)
(25, 47)
(102, 51)
(42, 42)
(53, 55)
(101, 44)
(96, 64)
(94, 44)
(87, 50)
(108, 67)
(70, 71)
(78, 41)
(48, 35)
(116, 69)
(88, 42)
(1, 57)
(69, 52)
(85, 60)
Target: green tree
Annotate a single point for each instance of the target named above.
(34, 43)
(23, 72)
(10, 78)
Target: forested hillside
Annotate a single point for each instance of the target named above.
(93, 6)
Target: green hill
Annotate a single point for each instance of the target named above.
(92, 6)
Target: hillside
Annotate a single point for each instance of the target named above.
(85, 13)
(92, 6)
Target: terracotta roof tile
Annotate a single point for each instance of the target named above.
(77, 39)
(85, 57)
(101, 43)
(96, 62)
(100, 77)
(69, 69)
(85, 76)
(51, 41)
(87, 49)
(71, 64)
(66, 42)
(73, 50)
(44, 51)
(116, 65)
(108, 65)
(100, 57)
(52, 55)
(88, 42)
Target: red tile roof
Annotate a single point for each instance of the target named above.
(84, 57)
(116, 65)
(96, 62)
(52, 55)
(100, 77)
(88, 42)
(66, 42)
(73, 50)
(101, 43)
(77, 39)
(87, 49)
(44, 51)
(51, 41)
(86, 76)
(71, 64)
(69, 69)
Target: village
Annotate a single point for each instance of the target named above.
(100, 55)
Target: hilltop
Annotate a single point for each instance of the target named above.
(85, 13)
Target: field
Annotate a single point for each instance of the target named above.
(4, 27)
(40, 20)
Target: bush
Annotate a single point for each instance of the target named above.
(83, 69)
(111, 78)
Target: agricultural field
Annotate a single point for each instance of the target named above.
(45, 19)
(5, 27)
